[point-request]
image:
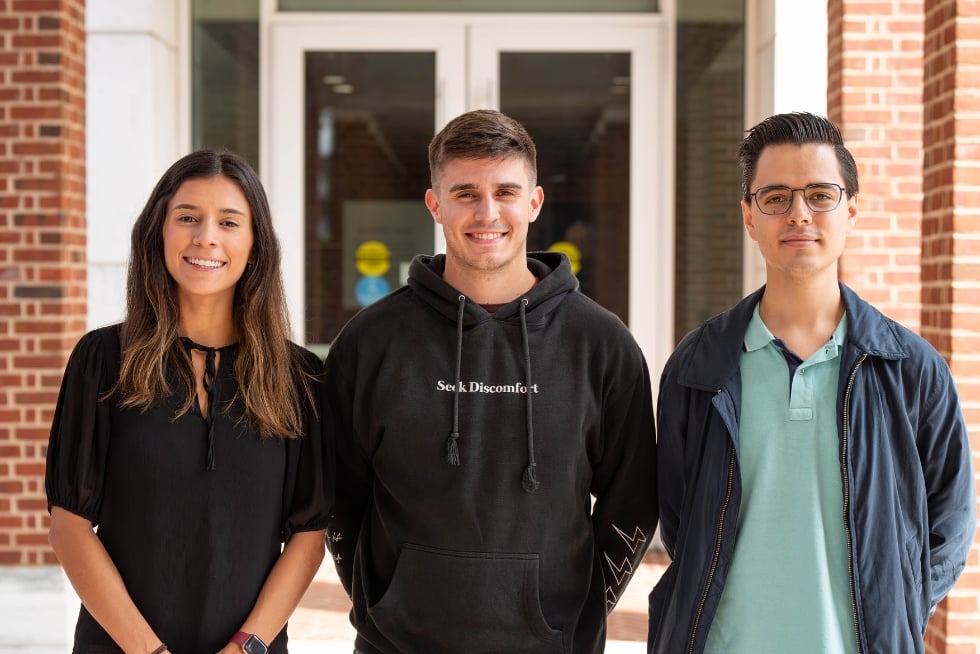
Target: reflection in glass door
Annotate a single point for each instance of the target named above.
(576, 106)
(350, 107)
(366, 170)
(369, 118)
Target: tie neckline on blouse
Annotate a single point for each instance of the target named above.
(209, 373)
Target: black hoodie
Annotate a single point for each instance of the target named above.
(470, 446)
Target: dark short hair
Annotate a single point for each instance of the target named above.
(482, 134)
(796, 128)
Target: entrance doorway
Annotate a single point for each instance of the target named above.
(353, 102)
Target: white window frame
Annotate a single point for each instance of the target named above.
(467, 48)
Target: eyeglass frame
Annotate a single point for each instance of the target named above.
(792, 194)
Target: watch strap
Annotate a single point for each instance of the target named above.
(251, 643)
(239, 638)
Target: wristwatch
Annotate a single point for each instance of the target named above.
(251, 643)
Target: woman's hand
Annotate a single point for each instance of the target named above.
(96, 580)
(285, 585)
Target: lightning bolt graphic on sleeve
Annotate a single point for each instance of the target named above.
(611, 599)
(619, 572)
(633, 542)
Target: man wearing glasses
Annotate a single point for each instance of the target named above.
(815, 479)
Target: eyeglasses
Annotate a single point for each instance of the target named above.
(776, 200)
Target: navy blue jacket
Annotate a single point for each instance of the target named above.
(909, 494)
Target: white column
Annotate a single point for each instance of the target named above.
(785, 70)
(800, 57)
(135, 127)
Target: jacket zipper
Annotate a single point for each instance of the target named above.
(847, 501)
(717, 553)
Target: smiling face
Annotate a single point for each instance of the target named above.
(485, 207)
(207, 238)
(800, 244)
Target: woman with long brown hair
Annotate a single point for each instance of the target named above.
(189, 434)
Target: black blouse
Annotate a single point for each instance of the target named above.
(193, 545)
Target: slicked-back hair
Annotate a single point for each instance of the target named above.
(482, 134)
(796, 128)
(272, 386)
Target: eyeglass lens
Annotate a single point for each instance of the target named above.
(776, 200)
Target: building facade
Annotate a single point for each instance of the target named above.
(637, 107)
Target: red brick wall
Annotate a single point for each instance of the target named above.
(950, 247)
(42, 248)
(875, 96)
(902, 82)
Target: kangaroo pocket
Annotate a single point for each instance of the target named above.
(445, 601)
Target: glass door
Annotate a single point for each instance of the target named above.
(354, 102)
(588, 94)
(352, 106)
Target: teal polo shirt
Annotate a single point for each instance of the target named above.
(787, 589)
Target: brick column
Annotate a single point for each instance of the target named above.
(874, 93)
(899, 85)
(42, 248)
(950, 251)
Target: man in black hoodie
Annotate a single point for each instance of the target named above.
(494, 428)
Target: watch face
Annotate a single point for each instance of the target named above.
(255, 646)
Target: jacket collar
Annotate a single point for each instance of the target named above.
(711, 352)
(869, 331)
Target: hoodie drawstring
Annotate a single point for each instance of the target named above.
(452, 448)
(530, 480)
(209, 371)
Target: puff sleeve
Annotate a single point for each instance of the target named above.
(79, 440)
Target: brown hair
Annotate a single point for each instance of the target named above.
(482, 134)
(268, 369)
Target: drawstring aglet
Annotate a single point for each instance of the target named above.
(530, 481)
(452, 449)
